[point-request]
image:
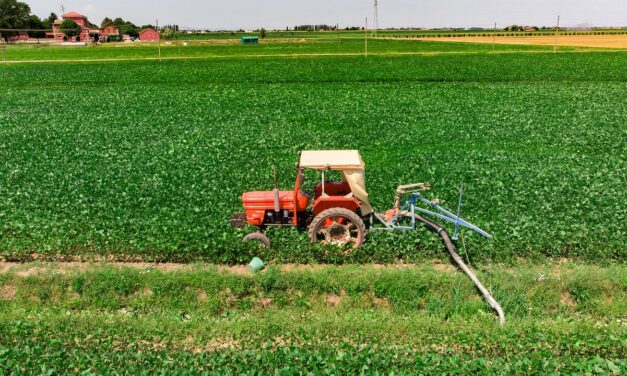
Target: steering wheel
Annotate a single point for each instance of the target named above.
(306, 192)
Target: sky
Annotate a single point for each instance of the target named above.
(251, 14)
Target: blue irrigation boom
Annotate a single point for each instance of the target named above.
(410, 208)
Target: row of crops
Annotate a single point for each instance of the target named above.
(146, 161)
(561, 318)
(44, 347)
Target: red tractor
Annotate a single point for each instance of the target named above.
(334, 214)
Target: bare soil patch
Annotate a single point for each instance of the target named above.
(444, 267)
(29, 269)
(567, 299)
(381, 303)
(202, 295)
(332, 300)
(7, 292)
(264, 303)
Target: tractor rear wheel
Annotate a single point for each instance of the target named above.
(258, 237)
(337, 226)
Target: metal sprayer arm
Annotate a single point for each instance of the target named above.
(447, 215)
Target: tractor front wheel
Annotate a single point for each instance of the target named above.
(258, 237)
(339, 227)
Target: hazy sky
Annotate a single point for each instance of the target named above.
(247, 14)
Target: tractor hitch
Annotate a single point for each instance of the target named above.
(238, 220)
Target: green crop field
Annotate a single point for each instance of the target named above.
(347, 320)
(145, 161)
(142, 160)
(210, 48)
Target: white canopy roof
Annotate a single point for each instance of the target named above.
(347, 161)
(331, 160)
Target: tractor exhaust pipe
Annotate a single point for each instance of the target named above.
(275, 191)
(462, 265)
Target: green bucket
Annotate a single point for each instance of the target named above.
(256, 265)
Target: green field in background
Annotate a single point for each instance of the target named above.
(389, 33)
(270, 47)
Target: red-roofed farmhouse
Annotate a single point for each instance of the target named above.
(87, 34)
(149, 35)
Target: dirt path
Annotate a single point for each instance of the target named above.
(304, 55)
(33, 268)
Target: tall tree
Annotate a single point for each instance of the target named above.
(13, 15)
(36, 27)
(129, 28)
(168, 33)
(126, 27)
(70, 28)
(47, 22)
(106, 22)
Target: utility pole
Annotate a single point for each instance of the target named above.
(158, 38)
(178, 39)
(337, 35)
(4, 52)
(366, 35)
(55, 34)
(494, 38)
(557, 29)
(375, 24)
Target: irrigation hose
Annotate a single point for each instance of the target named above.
(451, 249)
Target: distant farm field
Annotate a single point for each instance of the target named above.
(271, 47)
(598, 41)
(147, 160)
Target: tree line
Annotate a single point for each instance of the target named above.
(16, 17)
(313, 27)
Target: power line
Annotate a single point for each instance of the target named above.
(25, 29)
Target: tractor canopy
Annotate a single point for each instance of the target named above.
(351, 165)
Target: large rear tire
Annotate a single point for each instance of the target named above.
(339, 227)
